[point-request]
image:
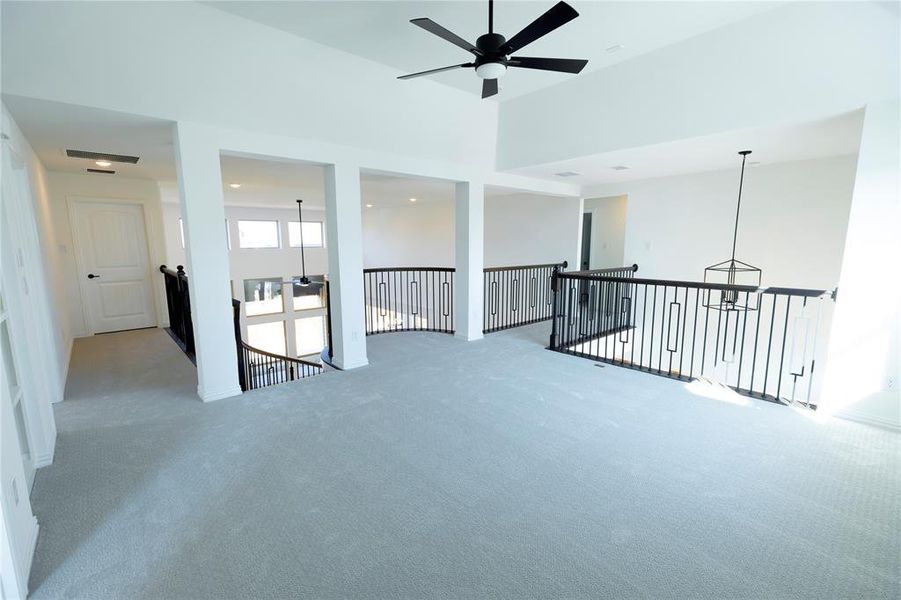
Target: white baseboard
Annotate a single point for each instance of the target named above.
(472, 337)
(29, 549)
(43, 460)
(351, 365)
(210, 396)
(65, 373)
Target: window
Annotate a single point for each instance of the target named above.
(258, 234)
(181, 230)
(309, 296)
(269, 337)
(262, 296)
(309, 334)
(312, 234)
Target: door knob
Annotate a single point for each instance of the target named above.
(92, 276)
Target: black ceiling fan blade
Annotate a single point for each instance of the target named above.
(559, 14)
(563, 65)
(433, 27)
(439, 70)
(489, 87)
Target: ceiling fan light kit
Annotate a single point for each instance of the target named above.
(493, 51)
(492, 70)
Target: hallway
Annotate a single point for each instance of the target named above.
(446, 469)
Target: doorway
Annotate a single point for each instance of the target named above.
(110, 240)
(585, 259)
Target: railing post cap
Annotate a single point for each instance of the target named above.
(180, 268)
(634, 267)
(565, 264)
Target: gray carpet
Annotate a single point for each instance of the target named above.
(493, 469)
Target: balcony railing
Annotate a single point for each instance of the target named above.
(256, 368)
(262, 369)
(409, 299)
(259, 368)
(519, 295)
(178, 302)
(763, 343)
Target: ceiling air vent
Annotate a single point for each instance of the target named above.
(620, 168)
(568, 174)
(104, 171)
(122, 158)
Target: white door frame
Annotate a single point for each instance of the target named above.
(71, 202)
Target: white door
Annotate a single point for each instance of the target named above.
(114, 267)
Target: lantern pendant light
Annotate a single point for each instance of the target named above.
(733, 271)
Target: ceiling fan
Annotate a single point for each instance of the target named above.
(492, 51)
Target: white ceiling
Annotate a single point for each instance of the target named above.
(52, 127)
(275, 184)
(380, 31)
(837, 136)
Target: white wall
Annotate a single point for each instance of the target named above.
(796, 63)
(409, 235)
(38, 336)
(63, 189)
(793, 221)
(524, 229)
(45, 268)
(863, 371)
(519, 229)
(608, 231)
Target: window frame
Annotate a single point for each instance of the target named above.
(321, 224)
(278, 234)
(281, 295)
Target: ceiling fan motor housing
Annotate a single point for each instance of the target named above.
(492, 63)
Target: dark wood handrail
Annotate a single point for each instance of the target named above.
(299, 361)
(179, 272)
(697, 284)
(430, 269)
(633, 268)
(563, 264)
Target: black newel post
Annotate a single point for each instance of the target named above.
(236, 314)
(554, 285)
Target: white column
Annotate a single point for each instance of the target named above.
(861, 380)
(344, 221)
(469, 248)
(203, 211)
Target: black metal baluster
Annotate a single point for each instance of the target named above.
(788, 301)
(769, 346)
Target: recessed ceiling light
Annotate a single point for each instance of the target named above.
(368, 206)
(103, 163)
(620, 168)
(234, 186)
(567, 174)
(412, 199)
(614, 48)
